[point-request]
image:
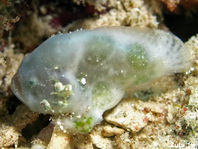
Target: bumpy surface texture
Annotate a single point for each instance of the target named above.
(84, 73)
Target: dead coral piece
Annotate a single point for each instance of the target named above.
(11, 127)
(82, 141)
(59, 140)
(155, 135)
(110, 131)
(122, 13)
(104, 5)
(99, 141)
(102, 137)
(190, 120)
(124, 141)
(192, 84)
(126, 116)
(37, 144)
(8, 67)
(133, 115)
(8, 135)
(6, 23)
(192, 45)
(99, 5)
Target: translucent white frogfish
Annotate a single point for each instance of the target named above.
(82, 74)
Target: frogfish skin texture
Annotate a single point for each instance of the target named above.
(82, 74)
